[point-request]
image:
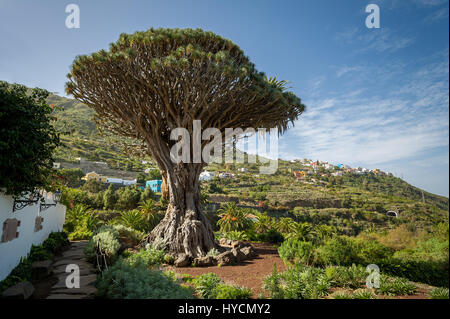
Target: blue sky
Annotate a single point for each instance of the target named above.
(376, 98)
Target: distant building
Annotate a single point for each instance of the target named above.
(226, 175)
(300, 174)
(95, 176)
(338, 173)
(56, 165)
(155, 185)
(206, 176)
(243, 169)
(125, 182)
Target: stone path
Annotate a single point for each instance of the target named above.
(88, 274)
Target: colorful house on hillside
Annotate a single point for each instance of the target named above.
(155, 185)
(95, 176)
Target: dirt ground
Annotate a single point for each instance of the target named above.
(250, 273)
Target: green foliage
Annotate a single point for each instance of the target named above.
(110, 198)
(80, 223)
(396, 286)
(233, 218)
(72, 176)
(233, 235)
(154, 174)
(338, 251)
(298, 282)
(93, 186)
(223, 291)
(439, 293)
(296, 251)
(23, 271)
(25, 117)
(210, 286)
(133, 280)
(350, 277)
(129, 197)
(206, 284)
(108, 239)
(148, 257)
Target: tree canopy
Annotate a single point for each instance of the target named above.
(27, 139)
(151, 82)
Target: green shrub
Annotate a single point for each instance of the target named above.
(338, 251)
(135, 281)
(295, 251)
(272, 236)
(439, 293)
(148, 257)
(351, 277)
(396, 286)
(300, 282)
(206, 284)
(223, 291)
(109, 244)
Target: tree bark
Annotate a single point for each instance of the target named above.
(184, 229)
(164, 186)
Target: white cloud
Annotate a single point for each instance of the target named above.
(407, 122)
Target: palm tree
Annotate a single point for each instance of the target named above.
(233, 218)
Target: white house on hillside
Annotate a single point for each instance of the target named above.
(206, 176)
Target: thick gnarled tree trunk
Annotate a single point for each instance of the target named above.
(184, 229)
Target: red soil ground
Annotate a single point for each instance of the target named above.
(250, 273)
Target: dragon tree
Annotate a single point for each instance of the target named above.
(149, 83)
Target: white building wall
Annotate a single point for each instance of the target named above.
(12, 251)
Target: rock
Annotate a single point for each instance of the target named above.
(22, 290)
(204, 261)
(225, 258)
(236, 244)
(79, 262)
(225, 242)
(249, 252)
(41, 269)
(182, 260)
(239, 244)
(238, 255)
(74, 254)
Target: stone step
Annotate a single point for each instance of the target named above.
(84, 291)
(79, 262)
(84, 281)
(66, 296)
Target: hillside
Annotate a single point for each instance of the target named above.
(84, 141)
